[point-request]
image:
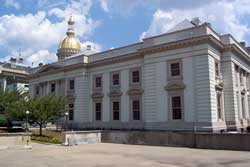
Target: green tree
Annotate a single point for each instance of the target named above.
(13, 105)
(46, 109)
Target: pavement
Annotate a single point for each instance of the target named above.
(114, 155)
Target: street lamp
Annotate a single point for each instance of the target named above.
(27, 114)
(66, 117)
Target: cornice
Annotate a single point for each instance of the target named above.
(113, 60)
(233, 48)
(183, 43)
(61, 69)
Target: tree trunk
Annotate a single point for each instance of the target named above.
(8, 125)
(40, 129)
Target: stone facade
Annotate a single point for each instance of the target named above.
(187, 80)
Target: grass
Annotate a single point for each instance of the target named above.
(49, 136)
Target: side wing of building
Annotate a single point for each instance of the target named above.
(189, 80)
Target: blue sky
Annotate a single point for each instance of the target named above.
(35, 27)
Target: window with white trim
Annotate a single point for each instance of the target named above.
(136, 76)
(72, 84)
(116, 110)
(136, 109)
(52, 87)
(71, 112)
(219, 104)
(175, 69)
(217, 68)
(176, 107)
(98, 81)
(98, 111)
(243, 106)
(116, 79)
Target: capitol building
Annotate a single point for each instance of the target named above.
(188, 79)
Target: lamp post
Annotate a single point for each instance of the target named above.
(66, 117)
(27, 114)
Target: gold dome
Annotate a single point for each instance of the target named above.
(70, 42)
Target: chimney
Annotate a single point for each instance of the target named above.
(88, 47)
(242, 43)
(195, 21)
(20, 60)
(40, 64)
(13, 62)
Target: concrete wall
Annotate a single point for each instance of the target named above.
(197, 140)
(9, 140)
(82, 137)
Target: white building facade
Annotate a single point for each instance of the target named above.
(190, 79)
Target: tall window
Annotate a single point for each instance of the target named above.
(98, 82)
(37, 90)
(98, 111)
(136, 109)
(71, 84)
(219, 105)
(136, 76)
(71, 112)
(53, 87)
(243, 106)
(236, 74)
(217, 68)
(116, 79)
(175, 69)
(241, 76)
(176, 108)
(116, 110)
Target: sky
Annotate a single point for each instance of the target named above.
(35, 27)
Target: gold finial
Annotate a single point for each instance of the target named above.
(71, 21)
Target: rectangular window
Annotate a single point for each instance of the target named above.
(98, 111)
(219, 104)
(116, 79)
(243, 106)
(116, 110)
(241, 77)
(176, 108)
(136, 76)
(52, 87)
(236, 74)
(175, 69)
(71, 84)
(136, 109)
(98, 82)
(37, 90)
(217, 68)
(71, 112)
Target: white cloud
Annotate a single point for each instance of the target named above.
(224, 16)
(104, 5)
(32, 58)
(12, 3)
(94, 46)
(42, 56)
(35, 34)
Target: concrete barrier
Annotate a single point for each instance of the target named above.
(81, 137)
(158, 138)
(15, 140)
(193, 140)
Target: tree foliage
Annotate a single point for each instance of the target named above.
(46, 109)
(13, 105)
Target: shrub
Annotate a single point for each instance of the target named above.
(3, 122)
(46, 139)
